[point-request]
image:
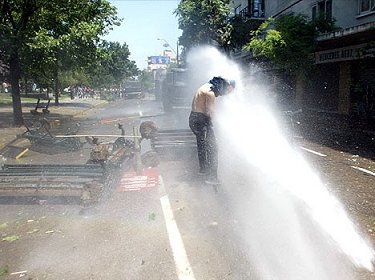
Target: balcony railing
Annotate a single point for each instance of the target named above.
(254, 11)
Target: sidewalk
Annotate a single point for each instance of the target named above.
(65, 112)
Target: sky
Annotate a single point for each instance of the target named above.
(143, 23)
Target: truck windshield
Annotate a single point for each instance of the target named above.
(133, 86)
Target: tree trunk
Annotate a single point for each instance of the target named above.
(57, 86)
(15, 70)
(25, 82)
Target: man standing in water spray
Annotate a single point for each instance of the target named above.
(200, 122)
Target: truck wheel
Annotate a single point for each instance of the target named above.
(167, 106)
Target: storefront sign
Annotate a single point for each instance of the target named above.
(344, 54)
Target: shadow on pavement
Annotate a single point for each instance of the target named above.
(351, 142)
(340, 132)
(6, 118)
(62, 104)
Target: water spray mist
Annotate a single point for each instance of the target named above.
(293, 226)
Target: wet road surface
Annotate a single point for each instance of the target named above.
(180, 229)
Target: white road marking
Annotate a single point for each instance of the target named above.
(183, 268)
(313, 152)
(364, 170)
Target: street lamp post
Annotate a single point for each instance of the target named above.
(169, 45)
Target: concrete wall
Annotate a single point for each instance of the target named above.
(347, 15)
(236, 3)
(274, 7)
(345, 12)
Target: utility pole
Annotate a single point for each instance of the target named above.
(169, 45)
(177, 58)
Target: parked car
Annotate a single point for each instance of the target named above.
(133, 90)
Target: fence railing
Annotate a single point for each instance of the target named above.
(254, 11)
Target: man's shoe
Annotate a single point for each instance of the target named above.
(202, 172)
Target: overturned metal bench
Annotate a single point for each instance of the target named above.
(76, 180)
(41, 105)
(176, 143)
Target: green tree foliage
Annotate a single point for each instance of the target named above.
(240, 34)
(42, 37)
(147, 79)
(3, 67)
(74, 77)
(112, 65)
(203, 22)
(288, 41)
(266, 42)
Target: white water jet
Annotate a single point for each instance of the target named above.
(293, 226)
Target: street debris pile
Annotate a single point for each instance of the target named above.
(40, 133)
(87, 180)
(73, 180)
(176, 143)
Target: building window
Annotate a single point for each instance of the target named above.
(237, 9)
(313, 16)
(323, 9)
(256, 8)
(366, 6)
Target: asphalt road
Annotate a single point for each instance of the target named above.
(251, 227)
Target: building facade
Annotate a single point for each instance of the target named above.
(248, 8)
(172, 56)
(344, 82)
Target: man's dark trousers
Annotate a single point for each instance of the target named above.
(201, 126)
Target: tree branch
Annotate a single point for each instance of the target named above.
(29, 9)
(8, 13)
